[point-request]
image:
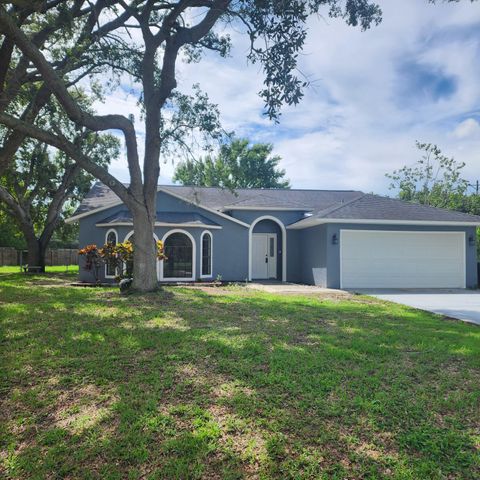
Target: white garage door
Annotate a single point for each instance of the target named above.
(381, 259)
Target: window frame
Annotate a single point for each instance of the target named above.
(109, 231)
(194, 258)
(203, 275)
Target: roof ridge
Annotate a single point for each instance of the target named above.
(267, 189)
(338, 207)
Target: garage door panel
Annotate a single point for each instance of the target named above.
(388, 259)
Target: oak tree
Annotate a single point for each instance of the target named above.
(50, 45)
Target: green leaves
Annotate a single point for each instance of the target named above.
(434, 179)
(238, 165)
(277, 33)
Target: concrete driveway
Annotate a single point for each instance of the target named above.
(461, 304)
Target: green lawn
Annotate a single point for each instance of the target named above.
(187, 384)
(55, 269)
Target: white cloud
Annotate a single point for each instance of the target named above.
(467, 129)
(373, 94)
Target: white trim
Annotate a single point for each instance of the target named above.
(320, 221)
(111, 230)
(206, 232)
(162, 224)
(90, 212)
(159, 189)
(284, 245)
(194, 257)
(464, 248)
(116, 241)
(131, 232)
(273, 209)
(340, 252)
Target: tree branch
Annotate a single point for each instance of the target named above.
(72, 109)
(73, 152)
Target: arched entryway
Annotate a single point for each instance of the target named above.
(267, 252)
(179, 248)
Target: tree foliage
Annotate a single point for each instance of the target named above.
(42, 184)
(49, 46)
(237, 165)
(434, 179)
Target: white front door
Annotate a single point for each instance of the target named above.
(264, 256)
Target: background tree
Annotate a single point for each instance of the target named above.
(42, 181)
(55, 43)
(436, 180)
(237, 165)
(10, 234)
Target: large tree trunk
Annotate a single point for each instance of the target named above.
(145, 252)
(36, 255)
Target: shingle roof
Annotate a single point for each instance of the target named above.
(385, 208)
(174, 218)
(100, 196)
(376, 207)
(322, 204)
(220, 198)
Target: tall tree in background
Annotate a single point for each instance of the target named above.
(48, 45)
(237, 165)
(434, 179)
(38, 185)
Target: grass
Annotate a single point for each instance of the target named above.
(53, 269)
(187, 384)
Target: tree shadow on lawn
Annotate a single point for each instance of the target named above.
(181, 384)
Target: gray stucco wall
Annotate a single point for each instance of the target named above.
(329, 254)
(313, 258)
(229, 244)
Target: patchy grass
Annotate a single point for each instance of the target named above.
(184, 384)
(54, 269)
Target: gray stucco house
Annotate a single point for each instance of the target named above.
(335, 239)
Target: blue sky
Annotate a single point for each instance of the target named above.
(414, 77)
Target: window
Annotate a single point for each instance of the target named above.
(206, 254)
(111, 264)
(179, 252)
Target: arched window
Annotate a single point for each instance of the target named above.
(111, 265)
(178, 249)
(206, 242)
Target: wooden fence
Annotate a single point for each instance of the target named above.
(56, 256)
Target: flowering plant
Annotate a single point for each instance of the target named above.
(119, 255)
(93, 259)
